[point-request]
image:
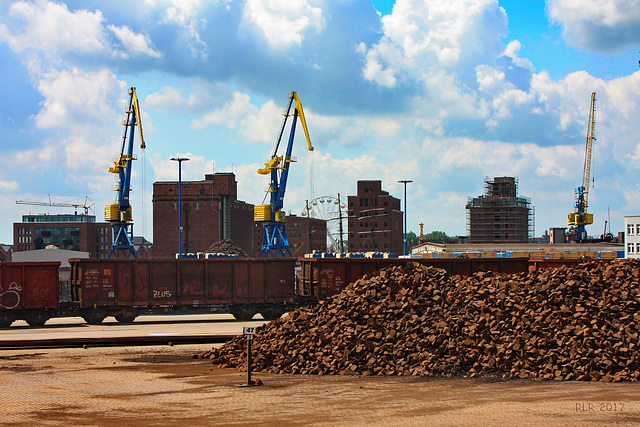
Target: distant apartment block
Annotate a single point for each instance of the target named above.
(500, 215)
(73, 232)
(632, 236)
(375, 220)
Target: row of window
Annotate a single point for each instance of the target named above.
(196, 204)
(633, 229)
(48, 231)
(366, 246)
(58, 218)
(366, 224)
(633, 248)
(365, 235)
(24, 230)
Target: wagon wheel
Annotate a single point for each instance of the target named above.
(272, 313)
(37, 318)
(127, 316)
(243, 312)
(93, 316)
(6, 320)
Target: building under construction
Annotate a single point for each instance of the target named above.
(500, 215)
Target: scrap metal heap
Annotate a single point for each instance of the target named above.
(578, 323)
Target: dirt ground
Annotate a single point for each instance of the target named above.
(151, 386)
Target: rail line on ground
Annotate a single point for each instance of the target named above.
(141, 340)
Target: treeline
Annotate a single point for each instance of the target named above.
(433, 237)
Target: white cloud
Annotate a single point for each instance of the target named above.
(8, 186)
(379, 62)
(74, 98)
(135, 44)
(181, 11)
(52, 28)
(169, 99)
(165, 169)
(230, 115)
(597, 24)
(443, 28)
(264, 124)
(512, 50)
(283, 22)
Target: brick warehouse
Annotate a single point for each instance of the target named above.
(375, 220)
(211, 212)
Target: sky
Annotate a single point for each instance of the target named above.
(446, 93)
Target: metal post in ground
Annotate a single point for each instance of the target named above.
(405, 182)
(249, 339)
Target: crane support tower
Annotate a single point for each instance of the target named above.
(119, 212)
(274, 241)
(579, 217)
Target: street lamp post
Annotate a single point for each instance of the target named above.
(405, 182)
(179, 160)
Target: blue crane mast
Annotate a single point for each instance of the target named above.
(274, 241)
(119, 213)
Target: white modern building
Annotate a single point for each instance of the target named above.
(632, 236)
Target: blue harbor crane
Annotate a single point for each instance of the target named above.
(579, 217)
(271, 215)
(119, 212)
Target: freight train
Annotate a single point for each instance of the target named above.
(126, 288)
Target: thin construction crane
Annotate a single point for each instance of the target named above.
(119, 213)
(87, 205)
(579, 217)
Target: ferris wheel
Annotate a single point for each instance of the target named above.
(330, 209)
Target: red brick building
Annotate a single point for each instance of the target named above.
(375, 220)
(211, 212)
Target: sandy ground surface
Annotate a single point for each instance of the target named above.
(151, 386)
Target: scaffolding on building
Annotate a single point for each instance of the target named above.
(500, 215)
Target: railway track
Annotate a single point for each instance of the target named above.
(141, 340)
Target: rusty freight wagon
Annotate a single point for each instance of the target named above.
(124, 288)
(28, 291)
(324, 277)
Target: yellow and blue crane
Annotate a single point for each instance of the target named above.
(271, 215)
(579, 217)
(119, 212)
